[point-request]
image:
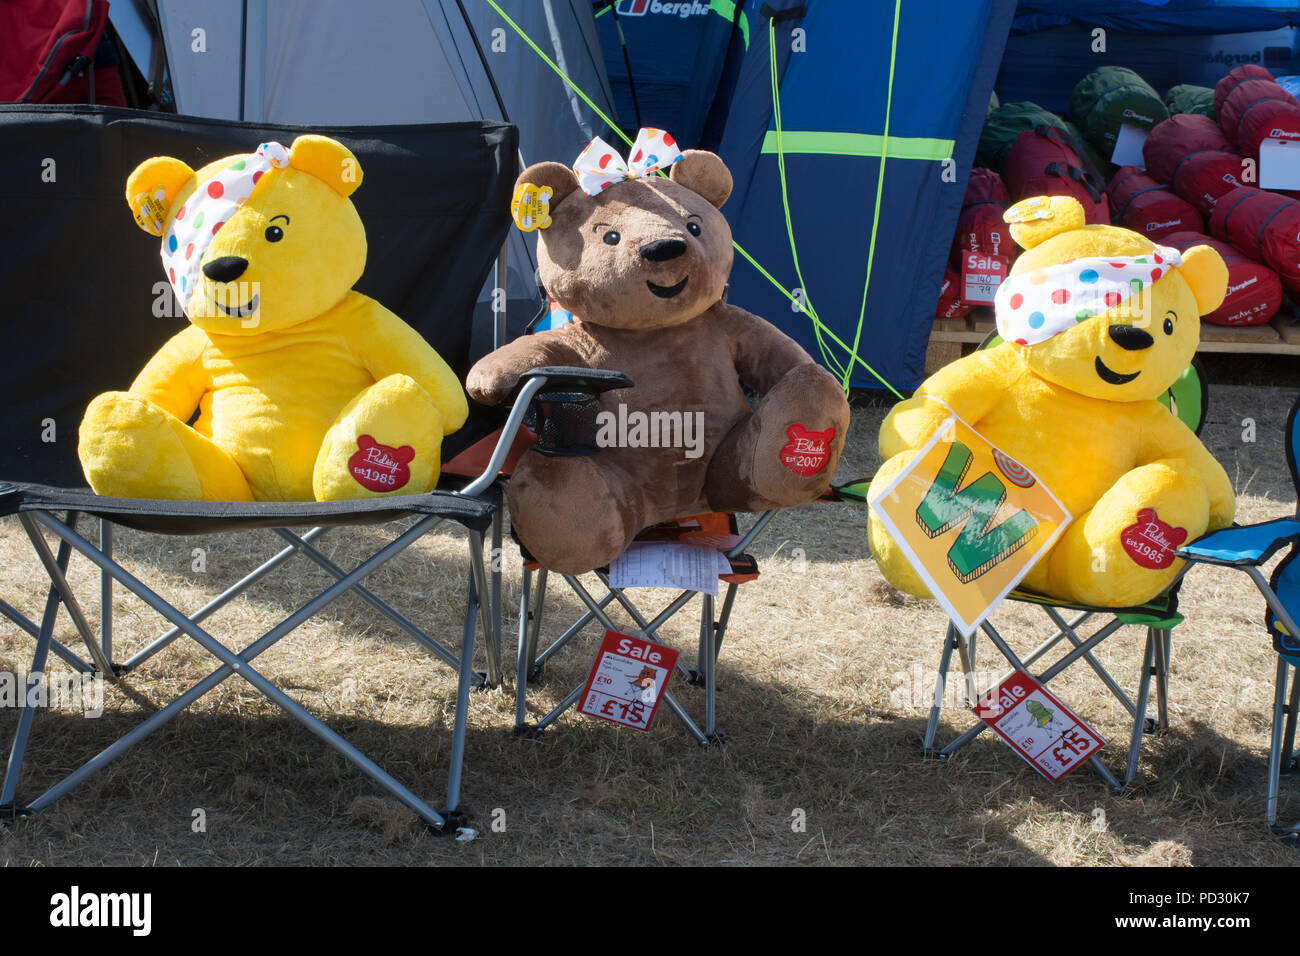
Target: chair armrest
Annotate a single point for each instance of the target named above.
(1242, 545)
(591, 381)
(542, 384)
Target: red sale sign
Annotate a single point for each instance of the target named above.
(980, 277)
(628, 680)
(1037, 726)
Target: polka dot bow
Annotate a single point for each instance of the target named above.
(599, 166)
(208, 208)
(1033, 306)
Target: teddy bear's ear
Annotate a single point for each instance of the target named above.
(152, 188)
(1206, 273)
(1035, 220)
(704, 173)
(328, 160)
(557, 176)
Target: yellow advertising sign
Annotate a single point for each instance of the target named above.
(971, 520)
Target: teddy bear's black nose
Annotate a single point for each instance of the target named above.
(1127, 337)
(661, 250)
(225, 269)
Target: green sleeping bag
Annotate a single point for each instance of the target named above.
(1186, 98)
(1109, 97)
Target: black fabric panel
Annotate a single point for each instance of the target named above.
(207, 517)
(78, 278)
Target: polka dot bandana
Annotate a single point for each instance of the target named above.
(1033, 306)
(599, 166)
(199, 220)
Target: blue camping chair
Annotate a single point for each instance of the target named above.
(1246, 547)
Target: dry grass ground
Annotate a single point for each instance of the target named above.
(823, 688)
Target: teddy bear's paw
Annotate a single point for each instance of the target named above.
(388, 440)
(1121, 553)
(131, 448)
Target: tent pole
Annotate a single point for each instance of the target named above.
(499, 275)
(627, 61)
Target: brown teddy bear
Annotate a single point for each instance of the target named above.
(642, 263)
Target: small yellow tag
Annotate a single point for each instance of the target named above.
(150, 210)
(531, 207)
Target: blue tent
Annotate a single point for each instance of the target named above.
(833, 64)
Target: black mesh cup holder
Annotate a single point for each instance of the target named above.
(565, 423)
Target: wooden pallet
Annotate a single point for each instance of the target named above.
(1279, 336)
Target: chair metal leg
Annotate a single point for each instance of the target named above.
(493, 640)
(496, 562)
(1289, 755)
(224, 598)
(232, 663)
(14, 768)
(1162, 646)
(106, 592)
(1140, 706)
(709, 664)
(1275, 742)
(454, 811)
(102, 664)
(523, 655)
(382, 606)
(950, 642)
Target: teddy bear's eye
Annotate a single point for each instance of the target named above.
(693, 228)
(274, 233)
(1169, 326)
(611, 238)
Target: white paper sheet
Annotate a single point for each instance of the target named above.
(1128, 146)
(669, 564)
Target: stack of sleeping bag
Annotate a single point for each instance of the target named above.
(1191, 154)
(1264, 226)
(1149, 207)
(1109, 97)
(979, 229)
(1254, 290)
(1254, 108)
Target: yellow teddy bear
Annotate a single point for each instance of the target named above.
(1098, 322)
(303, 388)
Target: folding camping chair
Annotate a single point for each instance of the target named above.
(1188, 399)
(455, 258)
(1247, 547)
(529, 661)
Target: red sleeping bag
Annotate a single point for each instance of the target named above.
(950, 304)
(1270, 119)
(1245, 97)
(1179, 136)
(1257, 110)
(1149, 208)
(1254, 290)
(1236, 76)
(1264, 226)
(1041, 162)
(1201, 178)
(50, 50)
(980, 227)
